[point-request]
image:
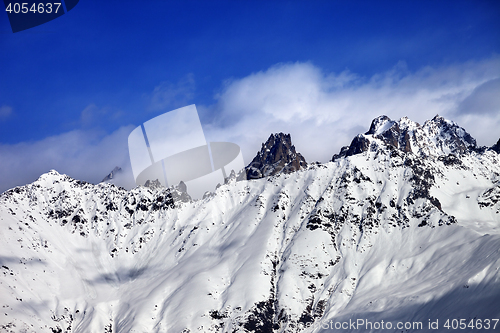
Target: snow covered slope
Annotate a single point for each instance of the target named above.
(382, 233)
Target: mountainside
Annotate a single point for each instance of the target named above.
(403, 226)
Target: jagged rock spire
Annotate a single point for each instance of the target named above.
(277, 155)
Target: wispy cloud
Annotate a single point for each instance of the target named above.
(5, 112)
(86, 155)
(93, 115)
(323, 111)
(484, 99)
(167, 96)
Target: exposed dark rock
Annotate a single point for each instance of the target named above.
(358, 145)
(490, 197)
(153, 183)
(382, 128)
(342, 153)
(496, 147)
(276, 156)
(261, 318)
(451, 135)
(363, 210)
(391, 133)
(451, 159)
(174, 193)
(378, 123)
(214, 314)
(406, 136)
(112, 174)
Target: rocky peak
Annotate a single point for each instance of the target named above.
(395, 134)
(178, 192)
(153, 184)
(447, 136)
(380, 124)
(277, 155)
(112, 174)
(496, 147)
(436, 137)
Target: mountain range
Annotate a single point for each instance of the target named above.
(401, 227)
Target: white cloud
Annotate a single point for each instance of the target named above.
(84, 155)
(5, 111)
(170, 96)
(323, 111)
(93, 115)
(484, 99)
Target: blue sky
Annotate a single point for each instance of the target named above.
(72, 89)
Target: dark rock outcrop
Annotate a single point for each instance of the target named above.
(153, 184)
(358, 145)
(496, 147)
(276, 156)
(112, 174)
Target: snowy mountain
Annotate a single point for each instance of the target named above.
(403, 226)
(437, 137)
